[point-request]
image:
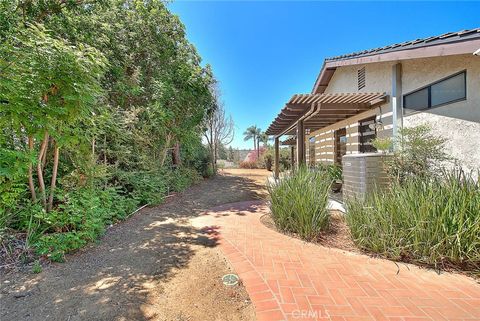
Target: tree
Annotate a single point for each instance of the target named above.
(264, 138)
(48, 86)
(253, 132)
(219, 129)
(230, 154)
(222, 152)
(99, 101)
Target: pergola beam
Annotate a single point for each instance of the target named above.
(319, 110)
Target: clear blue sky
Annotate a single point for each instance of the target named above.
(264, 52)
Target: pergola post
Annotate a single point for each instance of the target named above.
(292, 156)
(277, 156)
(300, 143)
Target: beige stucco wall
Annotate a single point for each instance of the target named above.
(344, 80)
(377, 79)
(458, 122)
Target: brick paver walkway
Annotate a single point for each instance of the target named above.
(288, 279)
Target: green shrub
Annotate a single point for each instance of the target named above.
(208, 172)
(13, 170)
(299, 202)
(266, 160)
(419, 153)
(79, 219)
(334, 171)
(383, 144)
(427, 220)
(81, 214)
(182, 178)
(145, 187)
(37, 267)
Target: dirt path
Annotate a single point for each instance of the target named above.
(155, 266)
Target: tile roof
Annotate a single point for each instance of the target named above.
(448, 37)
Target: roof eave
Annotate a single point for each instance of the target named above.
(449, 49)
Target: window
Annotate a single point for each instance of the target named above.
(340, 145)
(367, 131)
(445, 91)
(417, 100)
(448, 90)
(361, 78)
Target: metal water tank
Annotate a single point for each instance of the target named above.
(362, 173)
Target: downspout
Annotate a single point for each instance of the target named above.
(312, 109)
(301, 154)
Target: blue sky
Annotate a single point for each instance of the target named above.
(264, 52)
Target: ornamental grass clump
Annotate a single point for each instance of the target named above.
(299, 202)
(429, 220)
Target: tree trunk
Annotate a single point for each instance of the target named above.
(212, 151)
(44, 155)
(258, 147)
(31, 185)
(165, 150)
(215, 156)
(41, 182)
(214, 160)
(54, 177)
(176, 155)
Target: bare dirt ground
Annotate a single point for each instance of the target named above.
(154, 266)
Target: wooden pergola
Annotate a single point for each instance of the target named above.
(291, 141)
(309, 112)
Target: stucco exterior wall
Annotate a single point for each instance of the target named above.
(458, 122)
(378, 78)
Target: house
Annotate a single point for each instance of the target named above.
(373, 93)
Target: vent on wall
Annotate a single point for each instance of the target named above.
(361, 78)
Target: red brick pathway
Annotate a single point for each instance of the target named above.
(288, 279)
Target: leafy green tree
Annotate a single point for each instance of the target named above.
(102, 108)
(48, 86)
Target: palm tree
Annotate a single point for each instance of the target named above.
(253, 132)
(258, 134)
(264, 138)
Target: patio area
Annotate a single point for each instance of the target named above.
(289, 279)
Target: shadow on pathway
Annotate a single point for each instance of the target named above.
(114, 279)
